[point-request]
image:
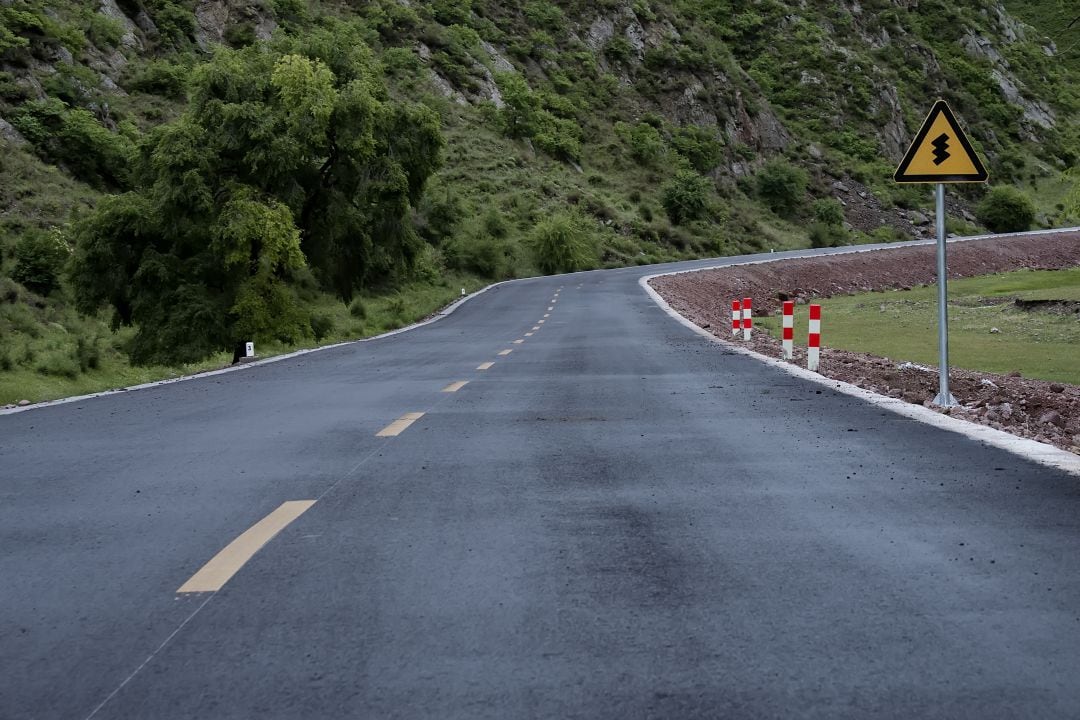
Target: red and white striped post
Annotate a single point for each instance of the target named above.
(747, 317)
(789, 330)
(736, 317)
(813, 348)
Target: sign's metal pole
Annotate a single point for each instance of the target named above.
(944, 398)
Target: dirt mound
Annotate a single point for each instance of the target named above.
(1044, 411)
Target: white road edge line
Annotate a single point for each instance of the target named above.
(1038, 452)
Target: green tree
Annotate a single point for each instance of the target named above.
(289, 160)
(782, 186)
(686, 197)
(39, 260)
(1006, 209)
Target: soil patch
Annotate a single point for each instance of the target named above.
(1043, 411)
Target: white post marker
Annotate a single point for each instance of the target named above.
(789, 330)
(736, 317)
(813, 345)
(747, 318)
(249, 349)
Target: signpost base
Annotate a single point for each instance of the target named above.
(946, 401)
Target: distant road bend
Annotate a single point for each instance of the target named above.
(556, 502)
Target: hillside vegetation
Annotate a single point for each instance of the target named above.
(181, 175)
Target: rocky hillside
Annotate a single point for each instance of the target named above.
(661, 130)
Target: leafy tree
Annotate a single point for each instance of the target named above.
(782, 186)
(39, 260)
(701, 146)
(686, 197)
(289, 160)
(1006, 209)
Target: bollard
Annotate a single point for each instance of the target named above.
(747, 317)
(813, 347)
(736, 317)
(789, 330)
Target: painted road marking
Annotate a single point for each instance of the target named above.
(518, 342)
(486, 366)
(454, 387)
(540, 322)
(550, 308)
(400, 425)
(214, 574)
(535, 328)
(504, 353)
(528, 334)
(546, 316)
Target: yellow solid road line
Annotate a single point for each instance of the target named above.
(400, 425)
(504, 353)
(454, 387)
(214, 574)
(486, 366)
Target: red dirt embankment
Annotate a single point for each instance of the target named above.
(1044, 411)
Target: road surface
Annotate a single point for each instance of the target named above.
(615, 519)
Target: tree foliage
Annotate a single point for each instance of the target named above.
(290, 160)
(563, 243)
(1006, 209)
(686, 196)
(782, 186)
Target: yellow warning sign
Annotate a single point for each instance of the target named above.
(941, 152)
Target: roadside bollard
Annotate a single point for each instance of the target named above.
(747, 317)
(736, 317)
(813, 347)
(789, 330)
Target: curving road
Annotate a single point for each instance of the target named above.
(617, 519)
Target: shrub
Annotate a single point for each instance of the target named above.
(357, 309)
(563, 243)
(1006, 209)
(828, 211)
(39, 261)
(700, 146)
(823, 235)
(646, 145)
(686, 197)
(322, 325)
(159, 77)
(782, 186)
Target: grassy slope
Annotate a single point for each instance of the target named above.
(902, 326)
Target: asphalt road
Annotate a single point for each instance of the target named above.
(618, 519)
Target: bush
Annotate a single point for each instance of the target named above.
(646, 145)
(563, 243)
(159, 77)
(39, 261)
(322, 326)
(357, 309)
(1006, 209)
(782, 186)
(823, 235)
(701, 146)
(828, 211)
(686, 197)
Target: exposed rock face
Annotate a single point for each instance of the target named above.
(130, 38)
(10, 135)
(214, 17)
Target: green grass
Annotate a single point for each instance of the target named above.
(902, 325)
(40, 358)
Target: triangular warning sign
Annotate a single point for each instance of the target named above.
(941, 152)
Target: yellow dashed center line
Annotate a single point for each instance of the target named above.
(454, 387)
(400, 425)
(547, 315)
(504, 353)
(214, 574)
(528, 334)
(486, 366)
(518, 342)
(550, 308)
(535, 328)
(540, 322)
